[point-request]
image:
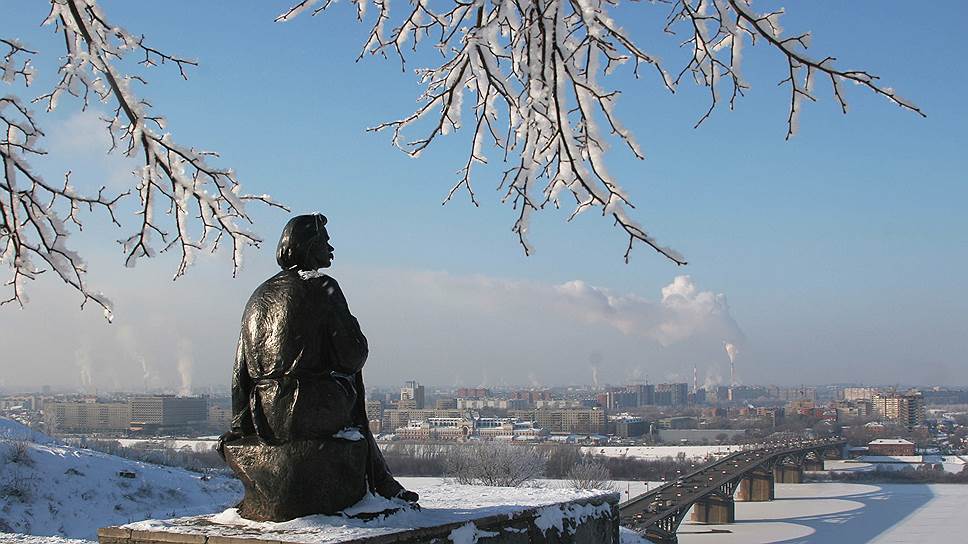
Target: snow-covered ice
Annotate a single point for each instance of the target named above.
(652, 453)
(816, 513)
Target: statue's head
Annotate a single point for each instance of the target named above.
(304, 244)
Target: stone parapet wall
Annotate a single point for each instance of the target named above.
(593, 520)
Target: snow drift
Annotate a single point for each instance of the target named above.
(51, 489)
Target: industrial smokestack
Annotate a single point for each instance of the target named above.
(731, 351)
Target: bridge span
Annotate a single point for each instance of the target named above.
(709, 490)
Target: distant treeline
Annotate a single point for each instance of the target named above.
(411, 460)
(430, 460)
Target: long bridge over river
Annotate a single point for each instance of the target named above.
(709, 490)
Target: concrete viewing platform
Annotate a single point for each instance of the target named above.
(461, 514)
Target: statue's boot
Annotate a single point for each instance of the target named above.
(385, 484)
(390, 488)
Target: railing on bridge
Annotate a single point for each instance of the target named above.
(710, 488)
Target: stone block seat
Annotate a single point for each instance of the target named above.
(299, 478)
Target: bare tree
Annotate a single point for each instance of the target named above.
(204, 204)
(590, 474)
(525, 75)
(494, 464)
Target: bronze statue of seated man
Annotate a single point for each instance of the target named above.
(297, 385)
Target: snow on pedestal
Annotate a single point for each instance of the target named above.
(461, 514)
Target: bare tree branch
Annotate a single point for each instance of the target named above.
(177, 180)
(535, 66)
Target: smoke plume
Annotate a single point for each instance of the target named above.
(731, 351)
(185, 364)
(82, 359)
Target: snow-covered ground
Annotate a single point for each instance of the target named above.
(57, 490)
(66, 493)
(14, 538)
(821, 513)
(652, 453)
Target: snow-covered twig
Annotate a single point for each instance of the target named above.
(34, 214)
(175, 179)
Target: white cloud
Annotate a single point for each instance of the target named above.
(450, 326)
(681, 313)
(435, 327)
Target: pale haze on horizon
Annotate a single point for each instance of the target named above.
(837, 257)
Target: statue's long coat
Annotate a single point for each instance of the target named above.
(298, 366)
(299, 352)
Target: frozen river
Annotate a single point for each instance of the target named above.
(842, 513)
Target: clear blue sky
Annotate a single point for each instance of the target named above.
(843, 253)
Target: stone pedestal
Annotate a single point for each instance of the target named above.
(590, 519)
(714, 510)
(299, 478)
(757, 486)
(788, 474)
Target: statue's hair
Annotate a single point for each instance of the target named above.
(294, 242)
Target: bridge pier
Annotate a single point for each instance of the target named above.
(714, 509)
(788, 474)
(757, 486)
(813, 465)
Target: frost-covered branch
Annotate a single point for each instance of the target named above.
(201, 205)
(719, 29)
(531, 73)
(34, 214)
(173, 176)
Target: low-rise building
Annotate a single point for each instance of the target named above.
(463, 428)
(627, 426)
(854, 408)
(860, 393)
(893, 447)
(167, 413)
(87, 417)
(557, 404)
(446, 403)
(395, 418)
(567, 420)
(680, 422)
(473, 392)
(493, 403)
(219, 416)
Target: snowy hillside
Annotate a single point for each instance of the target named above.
(52, 489)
